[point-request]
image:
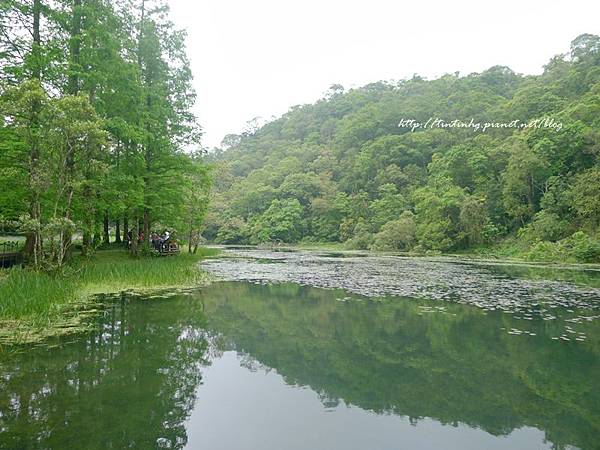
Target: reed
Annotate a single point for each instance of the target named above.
(37, 301)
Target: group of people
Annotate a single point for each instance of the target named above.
(158, 241)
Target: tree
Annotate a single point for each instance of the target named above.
(523, 183)
(585, 195)
(388, 206)
(397, 234)
(96, 122)
(301, 186)
(165, 116)
(68, 139)
(438, 216)
(197, 190)
(75, 140)
(473, 220)
(281, 222)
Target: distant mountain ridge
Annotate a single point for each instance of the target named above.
(342, 170)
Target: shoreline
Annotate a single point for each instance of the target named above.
(35, 306)
(76, 295)
(457, 257)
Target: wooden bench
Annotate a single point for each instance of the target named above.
(168, 249)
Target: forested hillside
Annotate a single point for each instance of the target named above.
(96, 129)
(343, 170)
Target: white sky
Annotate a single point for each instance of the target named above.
(259, 57)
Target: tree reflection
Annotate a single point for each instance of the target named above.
(129, 384)
(397, 356)
(132, 382)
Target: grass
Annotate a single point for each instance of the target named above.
(34, 305)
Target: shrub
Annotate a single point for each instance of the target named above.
(545, 251)
(362, 239)
(578, 247)
(546, 226)
(397, 234)
(234, 231)
(582, 247)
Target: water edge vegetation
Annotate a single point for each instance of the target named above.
(35, 305)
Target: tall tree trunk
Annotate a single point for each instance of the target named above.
(36, 71)
(146, 227)
(86, 242)
(141, 32)
(146, 213)
(190, 237)
(118, 220)
(125, 229)
(33, 239)
(73, 89)
(88, 222)
(135, 232)
(64, 244)
(97, 230)
(140, 230)
(106, 228)
(118, 231)
(74, 48)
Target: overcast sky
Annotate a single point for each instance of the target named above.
(256, 58)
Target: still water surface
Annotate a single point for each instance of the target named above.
(252, 364)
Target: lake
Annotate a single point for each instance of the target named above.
(313, 350)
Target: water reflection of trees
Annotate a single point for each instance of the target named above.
(129, 384)
(393, 357)
(569, 274)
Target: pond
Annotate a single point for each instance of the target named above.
(323, 351)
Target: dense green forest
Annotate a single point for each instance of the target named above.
(343, 170)
(97, 137)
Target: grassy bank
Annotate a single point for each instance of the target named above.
(576, 251)
(34, 305)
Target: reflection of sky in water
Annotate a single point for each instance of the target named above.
(269, 414)
(529, 293)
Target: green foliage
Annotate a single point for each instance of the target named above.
(579, 247)
(523, 180)
(362, 238)
(582, 247)
(545, 251)
(546, 226)
(388, 206)
(110, 146)
(586, 195)
(354, 171)
(233, 231)
(96, 125)
(281, 222)
(325, 216)
(438, 212)
(397, 234)
(37, 300)
(474, 221)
